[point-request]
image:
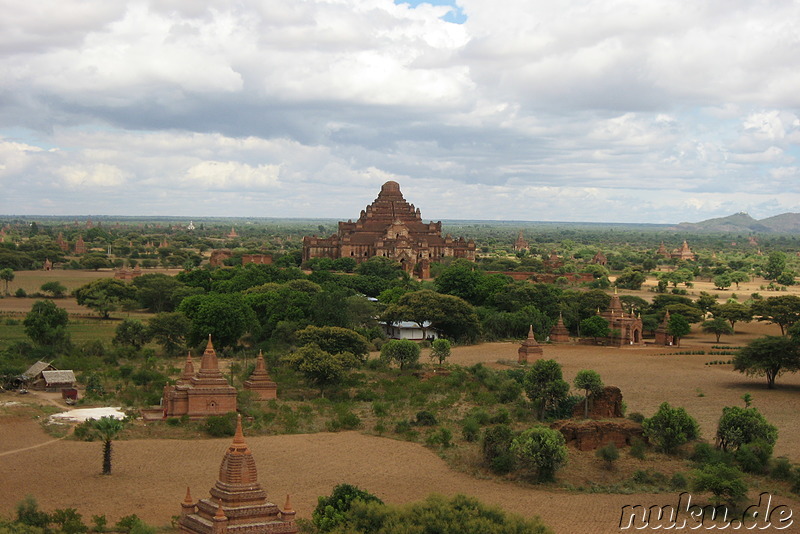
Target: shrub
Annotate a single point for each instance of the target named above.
(344, 420)
(442, 437)
(425, 418)
(678, 482)
(380, 409)
(501, 417)
(704, 453)
(670, 428)
(496, 448)
(723, 481)
(470, 429)
(509, 391)
(542, 449)
(609, 454)
(754, 457)
(220, 426)
(739, 426)
(331, 511)
(20, 293)
(636, 417)
(638, 449)
(780, 469)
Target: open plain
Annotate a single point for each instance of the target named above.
(150, 476)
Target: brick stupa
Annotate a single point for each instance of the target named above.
(200, 394)
(238, 503)
(559, 332)
(529, 347)
(260, 382)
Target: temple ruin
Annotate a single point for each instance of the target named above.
(392, 228)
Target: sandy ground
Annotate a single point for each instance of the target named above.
(150, 476)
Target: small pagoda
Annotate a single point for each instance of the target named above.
(529, 347)
(559, 332)
(238, 503)
(202, 393)
(663, 336)
(260, 382)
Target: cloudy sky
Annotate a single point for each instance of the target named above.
(655, 111)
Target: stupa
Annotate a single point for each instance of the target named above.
(559, 332)
(260, 382)
(200, 394)
(238, 503)
(529, 347)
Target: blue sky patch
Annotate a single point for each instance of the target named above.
(455, 15)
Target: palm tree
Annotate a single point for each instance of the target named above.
(108, 428)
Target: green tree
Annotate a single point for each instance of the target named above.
(440, 350)
(461, 279)
(717, 326)
(105, 295)
(170, 330)
(132, 333)
(7, 275)
(591, 383)
(436, 514)
(57, 289)
(541, 449)
(678, 327)
(160, 292)
(706, 302)
(334, 339)
(107, 429)
(783, 310)
(595, 327)
(722, 281)
(544, 384)
(404, 352)
(94, 262)
(46, 324)
(741, 426)
(738, 277)
(319, 367)
(331, 511)
(226, 317)
(776, 264)
(768, 356)
(381, 267)
(733, 312)
(452, 315)
(725, 482)
(630, 279)
(669, 428)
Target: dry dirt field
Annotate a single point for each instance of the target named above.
(150, 476)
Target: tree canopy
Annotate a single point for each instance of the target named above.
(768, 356)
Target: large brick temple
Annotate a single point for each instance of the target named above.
(238, 503)
(393, 228)
(202, 393)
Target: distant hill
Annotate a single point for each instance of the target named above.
(742, 223)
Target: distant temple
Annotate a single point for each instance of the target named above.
(260, 382)
(80, 246)
(530, 347)
(628, 327)
(393, 228)
(238, 503)
(684, 253)
(200, 394)
(520, 244)
(663, 337)
(559, 332)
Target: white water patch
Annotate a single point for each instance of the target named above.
(84, 414)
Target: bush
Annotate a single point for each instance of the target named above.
(670, 428)
(442, 437)
(20, 293)
(723, 481)
(609, 454)
(344, 420)
(754, 457)
(470, 429)
(638, 449)
(425, 418)
(331, 511)
(496, 448)
(780, 469)
(541, 449)
(636, 417)
(739, 426)
(220, 426)
(678, 482)
(704, 453)
(500, 418)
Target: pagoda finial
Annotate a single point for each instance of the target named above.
(220, 515)
(188, 499)
(238, 438)
(530, 332)
(288, 506)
